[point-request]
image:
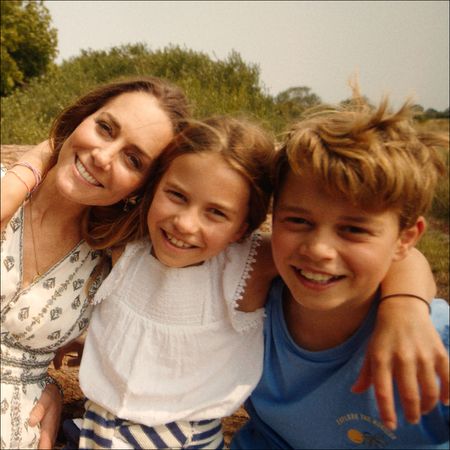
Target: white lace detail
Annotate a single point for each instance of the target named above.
(245, 321)
(110, 283)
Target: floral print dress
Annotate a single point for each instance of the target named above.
(35, 322)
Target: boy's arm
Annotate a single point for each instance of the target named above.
(406, 346)
(16, 184)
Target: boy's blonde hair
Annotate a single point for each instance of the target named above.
(371, 157)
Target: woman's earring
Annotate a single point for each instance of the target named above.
(130, 203)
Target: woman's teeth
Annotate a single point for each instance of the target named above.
(85, 174)
(176, 242)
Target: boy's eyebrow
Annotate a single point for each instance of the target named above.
(362, 219)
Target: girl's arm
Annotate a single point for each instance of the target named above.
(17, 183)
(263, 273)
(406, 346)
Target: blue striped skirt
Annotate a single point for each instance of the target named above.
(103, 430)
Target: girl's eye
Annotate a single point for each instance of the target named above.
(218, 213)
(175, 195)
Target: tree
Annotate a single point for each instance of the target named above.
(292, 102)
(28, 42)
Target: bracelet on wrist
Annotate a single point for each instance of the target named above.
(37, 174)
(21, 180)
(408, 295)
(50, 380)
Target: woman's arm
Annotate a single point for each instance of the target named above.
(406, 346)
(17, 183)
(47, 412)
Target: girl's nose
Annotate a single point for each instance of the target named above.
(187, 221)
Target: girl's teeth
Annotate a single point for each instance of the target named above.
(319, 277)
(85, 174)
(173, 240)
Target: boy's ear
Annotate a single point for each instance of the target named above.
(238, 235)
(409, 237)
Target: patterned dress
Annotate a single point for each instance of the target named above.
(35, 322)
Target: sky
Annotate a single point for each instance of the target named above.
(398, 48)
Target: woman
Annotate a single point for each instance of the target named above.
(103, 147)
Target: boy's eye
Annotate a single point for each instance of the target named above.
(355, 230)
(296, 220)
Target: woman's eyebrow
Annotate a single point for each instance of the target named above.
(113, 120)
(116, 124)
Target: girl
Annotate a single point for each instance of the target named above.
(103, 146)
(176, 341)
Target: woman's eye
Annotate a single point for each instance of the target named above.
(104, 127)
(134, 161)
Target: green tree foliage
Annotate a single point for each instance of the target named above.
(292, 102)
(28, 42)
(213, 86)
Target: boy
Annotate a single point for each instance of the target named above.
(351, 190)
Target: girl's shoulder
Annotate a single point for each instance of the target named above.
(123, 261)
(241, 267)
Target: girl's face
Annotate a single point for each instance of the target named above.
(200, 207)
(108, 156)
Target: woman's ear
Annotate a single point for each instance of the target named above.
(409, 237)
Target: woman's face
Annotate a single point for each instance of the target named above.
(108, 156)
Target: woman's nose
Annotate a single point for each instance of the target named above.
(103, 157)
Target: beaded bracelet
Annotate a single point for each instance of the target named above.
(408, 295)
(36, 173)
(50, 380)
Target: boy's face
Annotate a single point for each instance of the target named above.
(329, 253)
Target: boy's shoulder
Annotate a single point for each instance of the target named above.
(440, 317)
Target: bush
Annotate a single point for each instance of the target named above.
(223, 86)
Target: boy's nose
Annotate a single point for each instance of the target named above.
(318, 248)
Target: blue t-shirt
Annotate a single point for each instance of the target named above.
(304, 398)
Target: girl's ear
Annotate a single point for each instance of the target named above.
(239, 233)
(409, 237)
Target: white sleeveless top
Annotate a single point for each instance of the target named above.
(167, 344)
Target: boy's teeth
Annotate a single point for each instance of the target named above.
(85, 174)
(320, 277)
(173, 240)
